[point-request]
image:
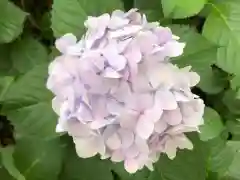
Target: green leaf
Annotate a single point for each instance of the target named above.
(5, 175)
(27, 53)
(182, 9)
(235, 83)
(200, 56)
(27, 104)
(8, 162)
(232, 103)
(69, 16)
(213, 125)
(222, 28)
(76, 168)
(221, 155)
(38, 159)
(5, 83)
(213, 80)
(186, 165)
(5, 61)
(11, 22)
(152, 9)
(233, 170)
(233, 127)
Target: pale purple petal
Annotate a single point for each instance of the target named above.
(132, 151)
(127, 137)
(172, 117)
(114, 141)
(160, 126)
(111, 73)
(117, 156)
(128, 119)
(166, 100)
(128, 30)
(144, 127)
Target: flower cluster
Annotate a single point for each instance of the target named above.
(118, 95)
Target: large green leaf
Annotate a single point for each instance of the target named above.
(5, 83)
(5, 175)
(222, 28)
(233, 127)
(221, 155)
(69, 16)
(38, 159)
(27, 53)
(5, 61)
(200, 56)
(183, 8)
(187, 165)
(231, 102)
(27, 104)
(76, 168)
(8, 162)
(233, 170)
(11, 21)
(213, 125)
(152, 9)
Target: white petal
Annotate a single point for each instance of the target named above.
(180, 129)
(180, 96)
(183, 142)
(65, 41)
(131, 165)
(171, 148)
(117, 22)
(173, 48)
(118, 13)
(194, 78)
(56, 105)
(87, 147)
(60, 128)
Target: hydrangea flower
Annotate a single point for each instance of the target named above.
(118, 95)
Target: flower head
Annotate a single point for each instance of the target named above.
(118, 95)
